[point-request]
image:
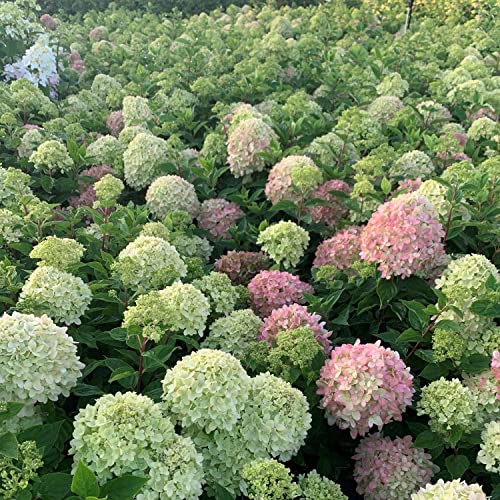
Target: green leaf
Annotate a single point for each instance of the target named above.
(455, 436)
(8, 445)
(409, 335)
(386, 291)
(54, 486)
(11, 410)
(428, 439)
(86, 390)
(433, 371)
(417, 316)
(84, 482)
(222, 494)
(124, 487)
(385, 186)
(447, 324)
(44, 436)
(485, 307)
(457, 465)
(475, 363)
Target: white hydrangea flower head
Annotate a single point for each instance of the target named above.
(107, 150)
(207, 389)
(60, 295)
(136, 111)
(276, 417)
(412, 165)
(120, 434)
(142, 159)
(464, 281)
(52, 156)
(38, 359)
(149, 263)
(489, 454)
(456, 490)
(171, 193)
(11, 226)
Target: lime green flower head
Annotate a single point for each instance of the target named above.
(60, 253)
(219, 290)
(108, 189)
(52, 156)
(316, 487)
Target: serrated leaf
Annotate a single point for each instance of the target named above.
(434, 371)
(428, 439)
(124, 487)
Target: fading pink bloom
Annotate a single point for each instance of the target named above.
(294, 316)
(115, 122)
(217, 216)
(483, 113)
(48, 21)
(390, 469)
(495, 370)
(29, 126)
(76, 62)
(241, 266)
(341, 250)
(330, 214)
(97, 34)
(461, 138)
(404, 237)
(271, 290)
(364, 385)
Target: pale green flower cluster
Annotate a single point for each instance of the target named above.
(436, 192)
(316, 487)
(267, 479)
(106, 88)
(276, 417)
(214, 147)
(136, 111)
(107, 150)
(179, 308)
(128, 433)
(393, 85)
(14, 184)
(15, 474)
(59, 294)
(305, 178)
(171, 193)
(483, 128)
(464, 281)
(384, 108)
(362, 193)
(207, 389)
(60, 253)
(176, 472)
(234, 333)
(10, 226)
(412, 165)
(52, 156)
(476, 336)
(128, 134)
(489, 454)
(285, 242)
(456, 490)
(328, 148)
(30, 140)
(363, 131)
(156, 229)
(38, 359)
(107, 190)
(219, 290)
(191, 245)
(142, 159)
(449, 405)
(295, 349)
(149, 263)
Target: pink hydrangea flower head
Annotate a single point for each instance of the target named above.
(390, 469)
(495, 370)
(115, 122)
(48, 21)
(291, 317)
(245, 143)
(242, 266)
(76, 62)
(404, 237)
(330, 214)
(271, 290)
(217, 216)
(339, 251)
(364, 385)
(280, 182)
(98, 33)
